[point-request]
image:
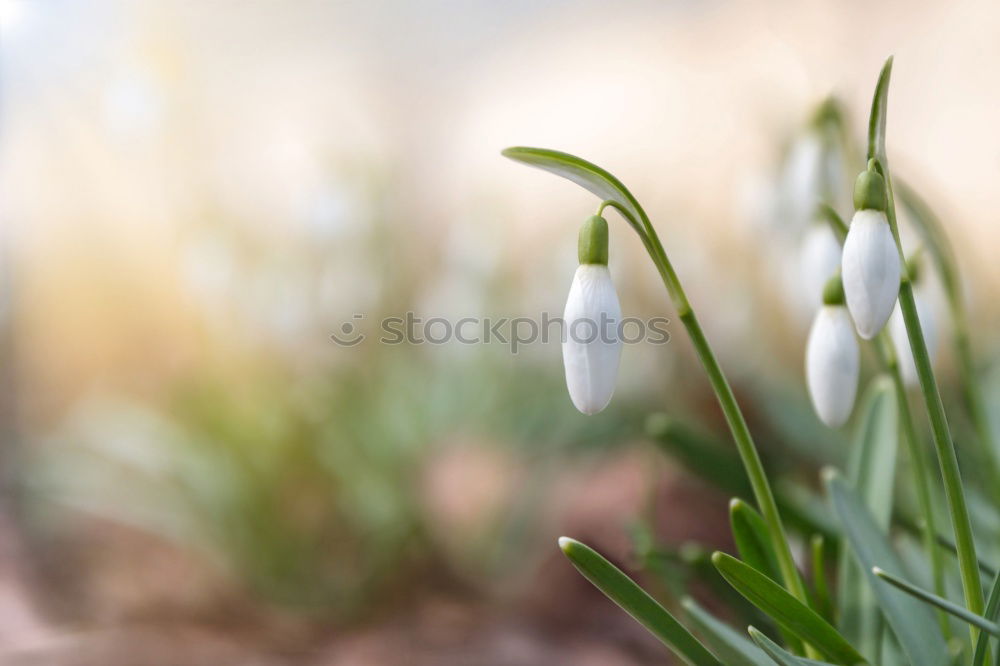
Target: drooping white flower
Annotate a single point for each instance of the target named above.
(591, 343)
(813, 171)
(819, 260)
(801, 178)
(832, 365)
(897, 329)
(870, 261)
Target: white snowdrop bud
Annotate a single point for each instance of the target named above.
(832, 359)
(897, 329)
(591, 345)
(870, 261)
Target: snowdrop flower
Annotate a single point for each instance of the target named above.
(832, 358)
(802, 177)
(813, 170)
(870, 262)
(819, 260)
(591, 344)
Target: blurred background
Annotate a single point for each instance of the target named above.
(195, 195)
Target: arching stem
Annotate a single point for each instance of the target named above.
(727, 401)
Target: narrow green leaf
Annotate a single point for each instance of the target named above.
(871, 470)
(636, 602)
(872, 465)
(992, 608)
(788, 611)
(754, 546)
(779, 655)
(585, 174)
(817, 551)
(912, 622)
(752, 540)
(876, 121)
(733, 648)
(961, 613)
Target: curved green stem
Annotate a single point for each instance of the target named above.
(930, 228)
(943, 443)
(947, 459)
(724, 394)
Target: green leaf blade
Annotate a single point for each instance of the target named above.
(752, 540)
(636, 602)
(732, 647)
(953, 609)
(754, 546)
(876, 120)
(871, 471)
(913, 623)
(586, 174)
(788, 611)
(777, 654)
(992, 610)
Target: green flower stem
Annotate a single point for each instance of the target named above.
(968, 564)
(943, 443)
(731, 410)
(944, 259)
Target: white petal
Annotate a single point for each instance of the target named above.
(870, 267)
(819, 259)
(897, 328)
(832, 365)
(591, 346)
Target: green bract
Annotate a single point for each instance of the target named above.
(592, 247)
(869, 190)
(833, 292)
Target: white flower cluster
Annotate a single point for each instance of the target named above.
(857, 301)
(861, 298)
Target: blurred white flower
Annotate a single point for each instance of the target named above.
(870, 267)
(802, 178)
(819, 260)
(832, 365)
(591, 346)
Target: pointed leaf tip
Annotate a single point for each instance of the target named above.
(624, 591)
(785, 609)
(779, 655)
(587, 175)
